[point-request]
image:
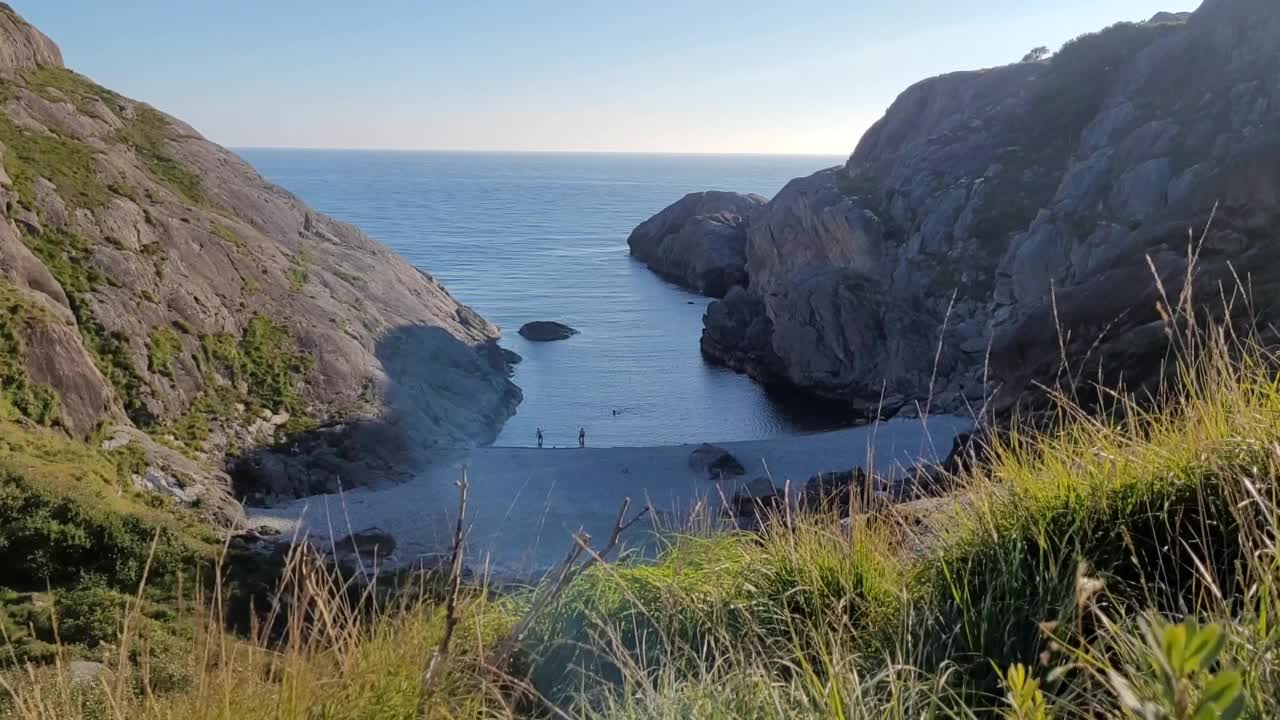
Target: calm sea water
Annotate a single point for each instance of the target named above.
(535, 236)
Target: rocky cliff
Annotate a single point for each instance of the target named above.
(996, 222)
(699, 242)
(152, 280)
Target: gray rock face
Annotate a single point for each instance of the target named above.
(168, 473)
(987, 209)
(546, 331)
(159, 281)
(22, 47)
(698, 242)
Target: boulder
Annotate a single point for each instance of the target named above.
(715, 462)
(22, 47)
(369, 552)
(754, 497)
(838, 491)
(546, 331)
(698, 242)
(367, 543)
(86, 673)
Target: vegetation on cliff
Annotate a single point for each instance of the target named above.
(163, 308)
(1120, 565)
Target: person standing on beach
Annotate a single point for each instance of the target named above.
(539, 438)
(582, 437)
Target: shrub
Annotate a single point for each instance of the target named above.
(163, 345)
(270, 365)
(90, 615)
(63, 515)
(18, 394)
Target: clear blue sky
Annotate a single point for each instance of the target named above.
(775, 76)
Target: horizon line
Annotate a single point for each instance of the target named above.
(533, 152)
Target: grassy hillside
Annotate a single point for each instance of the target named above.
(1121, 567)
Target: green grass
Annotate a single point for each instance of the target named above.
(19, 395)
(70, 165)
(261, 370)
(271, 366)
(114, 359)
(163, 345)
(1116, 565)
(66, 255)
(297, 273)
(71, 85)
(149, 133)
(227, 235)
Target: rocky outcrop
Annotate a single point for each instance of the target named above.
(546, 331)
(163, 471)
(715, 462)
(994, 219)
(154, 280)
(698, 242)
(22, 47)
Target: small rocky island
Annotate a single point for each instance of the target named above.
(546, 331)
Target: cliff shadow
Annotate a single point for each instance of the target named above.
(438, 397)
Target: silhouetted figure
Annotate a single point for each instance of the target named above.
(582, 437)
(539, 437)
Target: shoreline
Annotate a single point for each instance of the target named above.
(526, 503)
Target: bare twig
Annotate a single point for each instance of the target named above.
(568, 570)
(451, 606)
(502, 652)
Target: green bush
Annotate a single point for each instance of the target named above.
(64, 515)
(271, 365)
(18, 394)
(163, 345)
(46, 537)
(90, 615)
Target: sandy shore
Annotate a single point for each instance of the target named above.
(526, 503)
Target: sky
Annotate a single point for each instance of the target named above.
(571, 75)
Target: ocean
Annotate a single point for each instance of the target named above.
(543, 236)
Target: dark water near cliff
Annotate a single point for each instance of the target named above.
(523, 237)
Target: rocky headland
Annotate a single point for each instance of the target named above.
(699, 242)
(995, 223)
(163, 301)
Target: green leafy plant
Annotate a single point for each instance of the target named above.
(1184, 682)
(1026, 700)
(163, 345)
